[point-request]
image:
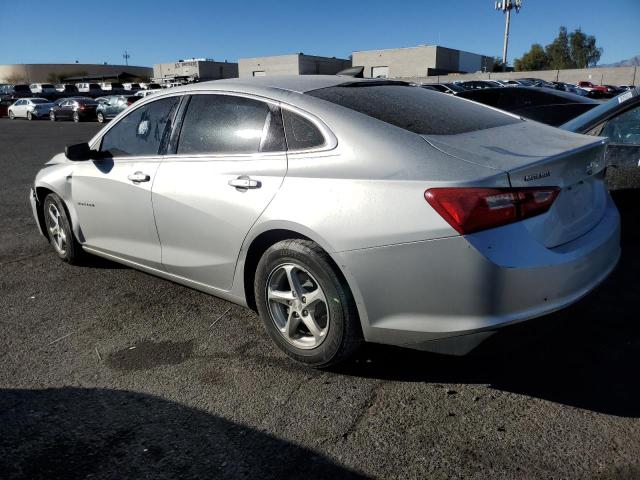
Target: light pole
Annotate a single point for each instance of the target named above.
(126, 56)
(506, 6)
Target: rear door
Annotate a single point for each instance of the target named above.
(113, 195)
(228, 161)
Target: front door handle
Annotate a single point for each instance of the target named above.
(244, 182)
(139, 177)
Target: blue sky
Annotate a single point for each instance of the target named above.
(159, 31)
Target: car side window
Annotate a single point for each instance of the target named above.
(623, 129)
(228, 124)
(140, 132)
(300, 132)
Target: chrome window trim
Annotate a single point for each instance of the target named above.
(331, 141)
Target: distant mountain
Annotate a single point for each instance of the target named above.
(631, 62)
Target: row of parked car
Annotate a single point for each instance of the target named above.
(73, 108)
(63, 90)
(584, 88)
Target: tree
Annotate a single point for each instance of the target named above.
(559, 53)
(568, 50)
(16, 79)
(584, 52)
(534, 59)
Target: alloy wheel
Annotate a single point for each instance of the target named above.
(297, 306)
(29, 116)
(76, 117)
(11, 115)
(56, 230)
(52, 116)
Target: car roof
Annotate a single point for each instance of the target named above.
(292, 83)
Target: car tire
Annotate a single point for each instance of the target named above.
(76, 117)
(52, 116)
(319, 332)
(100, 117)
(59, 231)
(29, 116)
(12, 115)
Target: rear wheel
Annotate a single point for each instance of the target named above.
(76, 117)
(100, 116)
(306, 306)
(12, 115)
(59, 231)
(29, 116)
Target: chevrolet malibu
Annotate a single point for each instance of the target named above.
(342, 210)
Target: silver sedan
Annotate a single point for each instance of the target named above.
(342, 210)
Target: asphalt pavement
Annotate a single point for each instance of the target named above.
(110, 373)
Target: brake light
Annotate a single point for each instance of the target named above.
(472, 209)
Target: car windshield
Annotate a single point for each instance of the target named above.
(21, 88)
(578, 123)
(39, 100)
(47, 85)
(417, 110)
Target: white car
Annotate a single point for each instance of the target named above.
(146, 93)
(42, 88)
(30, 108)
(111, 87)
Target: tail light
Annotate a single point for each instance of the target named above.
(472, 209)
(82, 106)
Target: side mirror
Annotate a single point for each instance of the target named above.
(78, 152)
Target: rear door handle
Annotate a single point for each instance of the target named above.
(139, 177)
(244, 182)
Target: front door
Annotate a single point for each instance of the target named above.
(113, 195)
(229, 163)
(623, 151)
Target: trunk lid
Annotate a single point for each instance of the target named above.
(533, 155)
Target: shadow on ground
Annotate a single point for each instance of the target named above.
(586, 357)
(73, 433)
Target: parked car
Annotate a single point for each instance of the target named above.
(109, 107)
(66, 89)
(150, 86)
(535, 82)
(507, 83)
(112, 87)
(75, 108)
(10, 92)
(449, 88)
(479, 84)
(595, 91)
(619, 121)
(30, 108)
(283, 193)
(132, 87)
(145, 93)
(544, 105)
(42, 88)
(92, 88)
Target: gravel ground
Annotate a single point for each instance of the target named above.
(110, 373)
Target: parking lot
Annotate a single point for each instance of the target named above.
(111, 373)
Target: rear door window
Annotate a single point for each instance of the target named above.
(415, 109)
(141, 132)
(218, 124)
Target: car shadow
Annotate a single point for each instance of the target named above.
(586, 356)
(73, 433)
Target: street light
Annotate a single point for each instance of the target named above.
(506, 6)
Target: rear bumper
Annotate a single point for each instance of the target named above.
(461, 289)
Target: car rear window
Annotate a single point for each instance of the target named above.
(39, 100)
(417, 110)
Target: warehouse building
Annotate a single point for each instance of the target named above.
(294, 64)
(421, 61)
(193, 70)
(55, 72)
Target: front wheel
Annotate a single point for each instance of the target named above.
(29, 116)
(59, 230)
(100, 116)
(12, 115)
(52, 116)
(76, 117)
(305, 304)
